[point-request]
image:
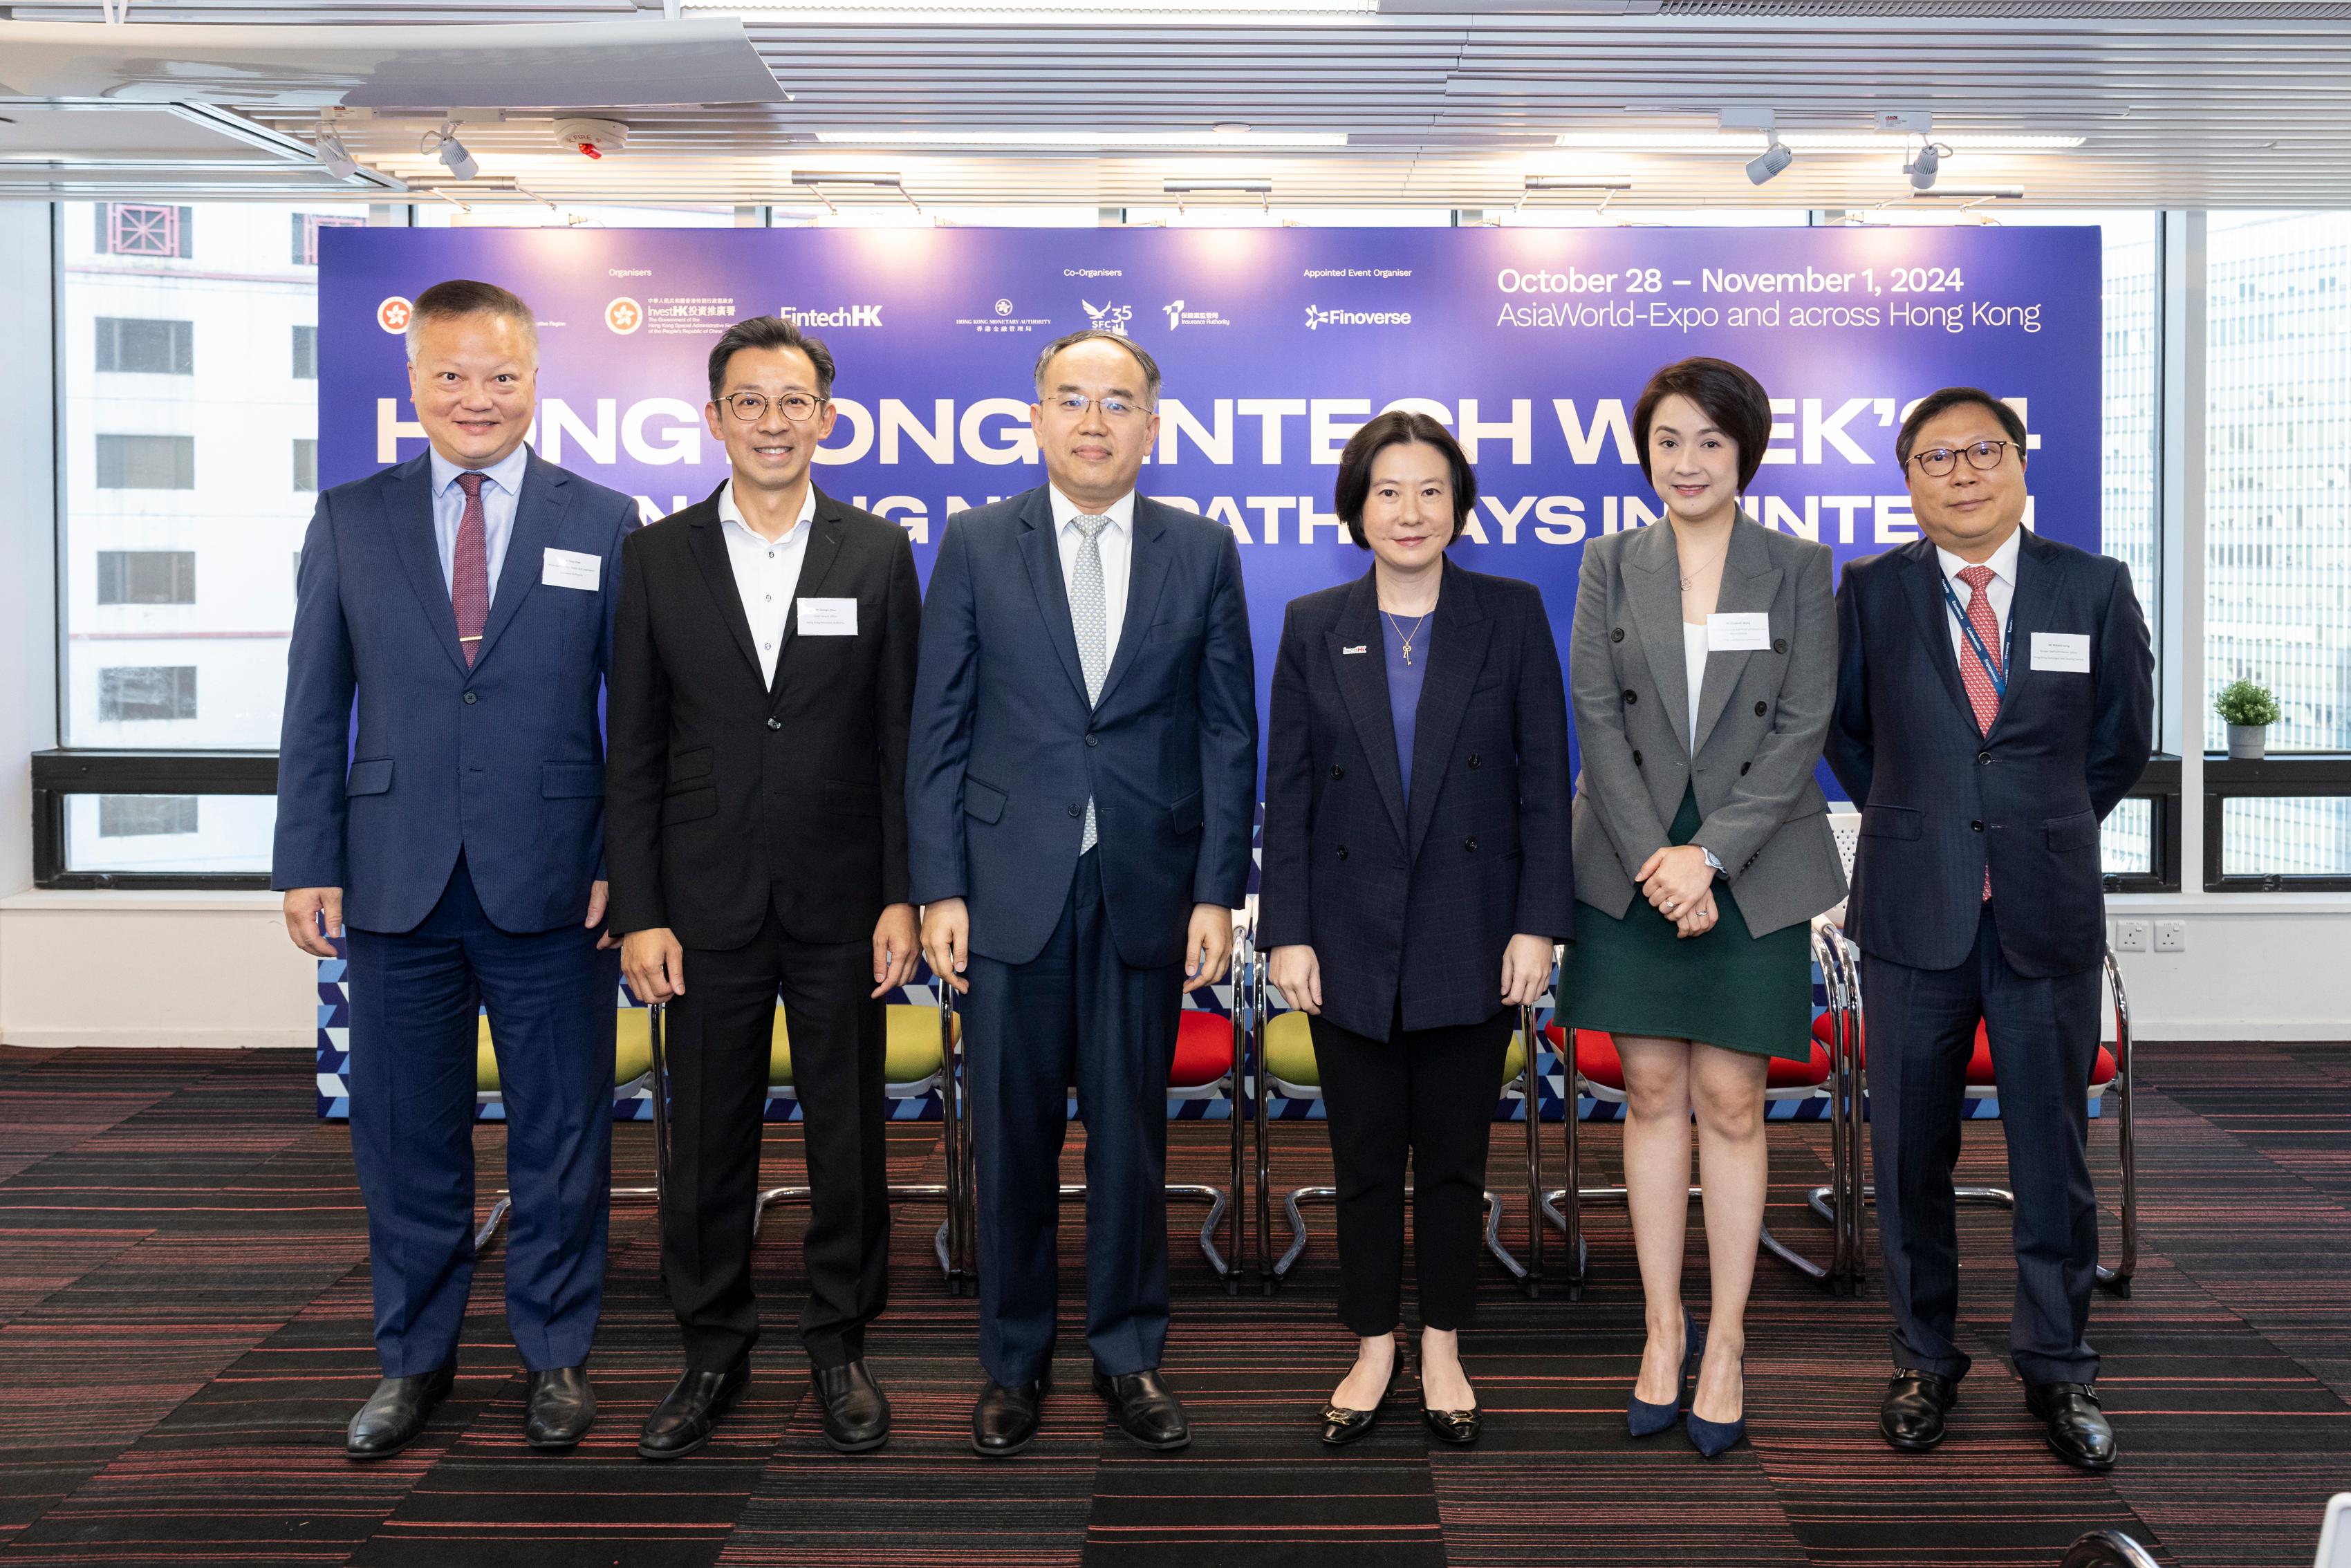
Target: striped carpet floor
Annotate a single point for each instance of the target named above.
(183, 1330)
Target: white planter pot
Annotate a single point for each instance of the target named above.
(2248, 742)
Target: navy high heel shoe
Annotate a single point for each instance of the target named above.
(1713, 1439)
(1643, 1419)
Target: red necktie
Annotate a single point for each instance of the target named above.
(1982, 696)
(469, 575)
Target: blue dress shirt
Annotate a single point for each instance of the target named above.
(501, 488)
(1404, 687)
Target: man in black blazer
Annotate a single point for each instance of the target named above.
(1995, 698)
(1081, 781)
(762, 670)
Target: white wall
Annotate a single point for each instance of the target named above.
(2257, 965)
(152, 969)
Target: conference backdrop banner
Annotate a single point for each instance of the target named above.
(1531, 345)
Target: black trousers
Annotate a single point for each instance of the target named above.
(1428, 1093)
(1077, 1014)
(719, 1037)
(2043, 1035)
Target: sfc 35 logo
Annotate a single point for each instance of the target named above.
(1318, 317)
(1107, 317)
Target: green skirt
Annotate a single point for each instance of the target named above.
(1728, 989)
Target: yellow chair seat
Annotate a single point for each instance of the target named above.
(1290, 1053)
(910, 1053)
(633, 1050)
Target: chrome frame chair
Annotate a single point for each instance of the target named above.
(1563, 1206)
(959, 1238)
(1272, 1272)
(656, 1074)
(901, 1192)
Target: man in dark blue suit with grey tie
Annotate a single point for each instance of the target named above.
(1995, 699)
(1080, 784)
(464, 600)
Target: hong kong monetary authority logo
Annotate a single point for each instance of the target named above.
(1317, 317)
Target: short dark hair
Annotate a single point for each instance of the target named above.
(466, 296)
(1943, 402)
(768, 332)
(1726, 394)
(1399, 427)
(1149, 366)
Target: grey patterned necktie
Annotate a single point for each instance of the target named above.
(1088, 619)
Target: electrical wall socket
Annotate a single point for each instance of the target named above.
(2130, 936)
(2171, 936)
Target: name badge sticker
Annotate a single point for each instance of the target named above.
(2061, 652)
(1745, 632)
(572, 569)
(828, 617)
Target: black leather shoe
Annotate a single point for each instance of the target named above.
(1145, 1409)
(1916, 1403)
(395, 1413)
(689, 1412)
(856, 1416)
(2077, 1428)
(1006, 1417)
(1342, 1426)
(562, 1409)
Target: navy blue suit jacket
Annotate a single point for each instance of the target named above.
(1005, 750)
(1940, 798)
(504, 762)
(1424, 897)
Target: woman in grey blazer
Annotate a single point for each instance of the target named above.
(1703, 673)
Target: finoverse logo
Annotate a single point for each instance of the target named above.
(1178, 315)
(839, 316)
(1107, 317)
(1318, 317)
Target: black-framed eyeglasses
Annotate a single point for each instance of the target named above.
(750, 406)
(1114, 408)
(1938, 461)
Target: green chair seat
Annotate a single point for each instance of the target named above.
(1290, 1053)
(910, 1053)
(632, 1049)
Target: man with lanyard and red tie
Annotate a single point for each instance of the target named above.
(458, 606)
(1995, 699)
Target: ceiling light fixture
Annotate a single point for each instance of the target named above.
(1971, 194)
(1770, 164)
(452, 151)
(1210, 187)
(334, 157)
(1924, 165)
(1177, 12)
(1084, 140)
(1752, 142)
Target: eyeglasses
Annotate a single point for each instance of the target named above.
(798, 407)
(1112, 408)
(1936, 462)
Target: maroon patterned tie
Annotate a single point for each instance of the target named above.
(1982, 696)
(469, 584)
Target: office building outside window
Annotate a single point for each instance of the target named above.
(2277, 513)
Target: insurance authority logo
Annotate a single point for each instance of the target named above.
(393, 313)
(1181, 315)
(624, 316)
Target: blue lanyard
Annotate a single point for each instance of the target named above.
(1998, 673)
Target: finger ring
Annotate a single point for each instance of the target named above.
(1670, 906)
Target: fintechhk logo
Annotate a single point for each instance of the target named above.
(1318, 317)
(839, 316)
(1177, 316)
(1107, 317)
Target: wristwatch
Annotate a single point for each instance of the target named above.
(1710, 860)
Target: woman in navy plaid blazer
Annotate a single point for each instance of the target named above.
(1417, 873)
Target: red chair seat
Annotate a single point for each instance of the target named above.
(1979, 1072)
(1203, 1049)
(1596, 1060)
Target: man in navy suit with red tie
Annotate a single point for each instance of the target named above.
(1995, 698)
(464, 600)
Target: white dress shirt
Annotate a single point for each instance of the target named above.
(2002, 588)
(501, 488)
(766, 575)
(1117, 555)
(1693, 656)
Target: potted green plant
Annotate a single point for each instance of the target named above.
(2248, 709)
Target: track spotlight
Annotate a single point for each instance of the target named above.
(1770, 163)
(453, 153)
(334, 157)
(1923, 167)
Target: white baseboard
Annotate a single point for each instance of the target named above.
(166, 1039)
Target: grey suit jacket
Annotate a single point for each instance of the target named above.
(1762, 716)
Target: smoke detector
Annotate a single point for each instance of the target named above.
(591, 138)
